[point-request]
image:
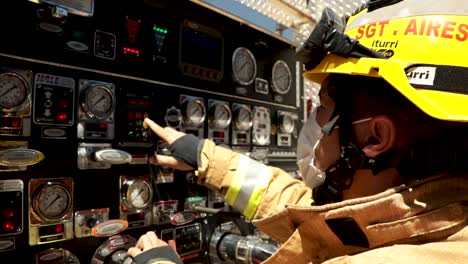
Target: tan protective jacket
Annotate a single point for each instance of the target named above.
(422, 223)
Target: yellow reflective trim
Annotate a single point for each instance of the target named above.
(238, 179)
(257, 195)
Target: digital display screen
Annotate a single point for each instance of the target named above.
(98, 127)
(201, 49)
(262, 126)
(51, 230)
(218, 134)
(136, 217)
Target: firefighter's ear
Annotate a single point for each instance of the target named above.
(381, 136)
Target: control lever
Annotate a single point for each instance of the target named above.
(112, 156)
(95, 222)
(218, 212)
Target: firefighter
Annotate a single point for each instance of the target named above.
(391, 147)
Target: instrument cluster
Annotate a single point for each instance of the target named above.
(77, 182)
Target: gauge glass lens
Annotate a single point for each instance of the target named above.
(222, 116)
(195, 112)
(53, 201)
(243, 119)
(244, 66)
(287, 124)
(261, 126)
(99, 101)
(281, 77)
(139, 194)
(13, 90)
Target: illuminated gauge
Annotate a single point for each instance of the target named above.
(52, 201)
(261, 126)
(242, 118)
(287, 123)
(14, 91)
(194, 112)
(244, 66)
(137, 194)
(98, 101)
(220, 115)
(281, 77)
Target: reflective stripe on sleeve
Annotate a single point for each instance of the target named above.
(248, 185)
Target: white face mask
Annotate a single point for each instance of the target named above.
(309, 137)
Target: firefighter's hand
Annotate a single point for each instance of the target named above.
(147, 242)
(169, 135)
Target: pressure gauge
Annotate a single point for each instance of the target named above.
(281, 77)
(98, 101)
(137, 193)
(194, 112)
(261, 126)
(52, 201)
(244, 66)
(242, 118)
(14, 90)
(220, 115)
(287, 123)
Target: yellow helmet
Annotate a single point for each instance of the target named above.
(422, 51)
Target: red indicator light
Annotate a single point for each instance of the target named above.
(8, 212)
(59, 228)
(8, 226)
(141, 215)
(139, 115)
(102, 126)
(218, 134)
(62, 117)
(15, 122)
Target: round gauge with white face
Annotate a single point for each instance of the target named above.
(52, 201)
(242, 118)
(281, 77)
(195, 112)
(220, 115)
(98, 101)
(261, 127)
(244, 66)
(287, 124)
(14, 91)
(138, 194)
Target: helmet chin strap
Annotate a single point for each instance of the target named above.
(340, 176)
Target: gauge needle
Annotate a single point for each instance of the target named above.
(100, 99)
(220, 116)
(138, 194)
(242, 66)
(51, 203)
(281, 77)
(7, 91)
(195, 111)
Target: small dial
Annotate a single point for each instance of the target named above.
(14, 90)
(138, 194)
(53, 201)
(244, 66)
(287, 124)
(261, 128)
(99, 101)
(195, 112)
(242, 118)
(220, 115)
(281, 77)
